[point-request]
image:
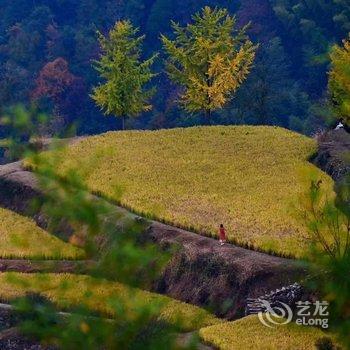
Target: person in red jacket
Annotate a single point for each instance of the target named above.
(222, 234)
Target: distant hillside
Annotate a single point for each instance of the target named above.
(289, 73)
(247, 178)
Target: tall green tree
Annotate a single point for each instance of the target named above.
(209, 58)
(339, 81)
(123, 92)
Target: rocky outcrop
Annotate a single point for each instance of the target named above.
(288, 295)
(201, 272)
(333, 155)
(18, 188)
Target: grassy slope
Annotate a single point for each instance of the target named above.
(245, 177)
(248, 333)
(21, 238)
(68, 290)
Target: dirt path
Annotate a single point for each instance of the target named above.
(56, 266)
(222, 277)
(201, 272)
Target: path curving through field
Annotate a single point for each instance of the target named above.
(201, 272)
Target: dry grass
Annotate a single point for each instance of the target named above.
(249, 334)
(196, 178)
(68, 291)
(21, 238)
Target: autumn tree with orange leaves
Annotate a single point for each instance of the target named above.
(53, 80)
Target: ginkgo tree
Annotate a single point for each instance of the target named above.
(209, 59)
(123, 92)
(339, 80)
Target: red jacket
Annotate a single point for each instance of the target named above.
(222, 233)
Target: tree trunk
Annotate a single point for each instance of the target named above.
(206, 120)
(123, 122)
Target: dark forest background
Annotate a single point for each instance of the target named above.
(56, 39)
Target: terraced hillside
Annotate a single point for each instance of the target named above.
(68, 290)
(245, 177)
(189, 275)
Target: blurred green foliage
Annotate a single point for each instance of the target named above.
(329, 259)
(124, 257)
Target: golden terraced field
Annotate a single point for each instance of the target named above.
(243, 176)
(21, 238)
(67, 291)
(249, 333)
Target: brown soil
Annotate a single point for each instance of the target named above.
(56, 266)
(220, 277)
(334, 153)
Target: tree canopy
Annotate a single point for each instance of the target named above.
(209, 58)
(35, 33)
(339, 80)
(123, 92)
